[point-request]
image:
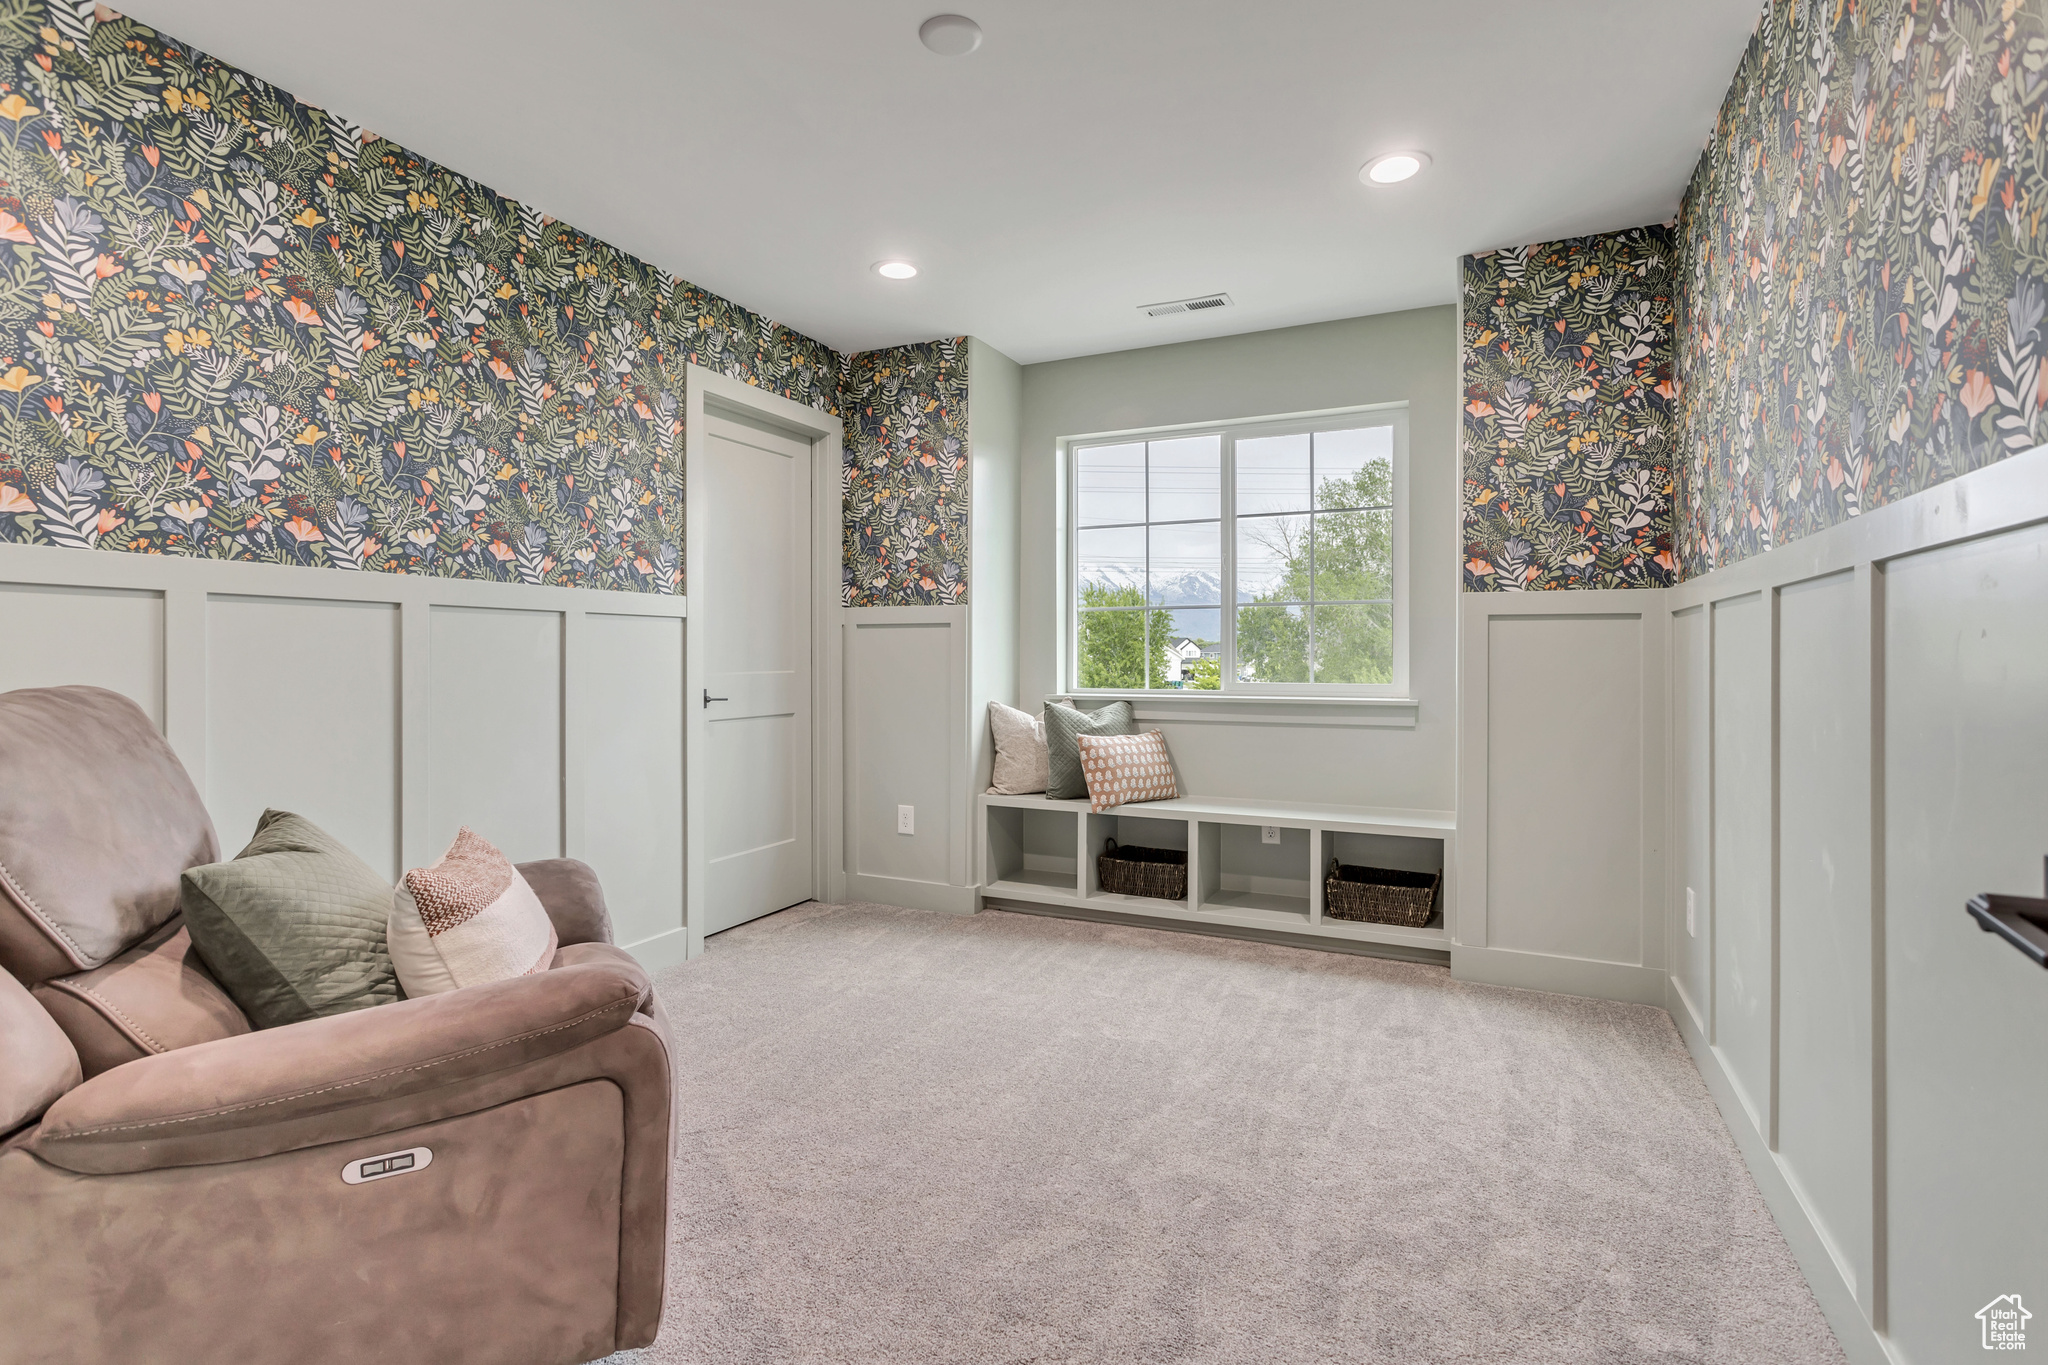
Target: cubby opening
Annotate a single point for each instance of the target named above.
(1242, 873)
(1138, 831)
(1402, 853)
(1032, 847)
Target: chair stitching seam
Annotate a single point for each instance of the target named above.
(28, 903)
(78, 988)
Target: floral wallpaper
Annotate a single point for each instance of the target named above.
(1568, 423)
(235, 326)
(1864, 277)
(906, 484)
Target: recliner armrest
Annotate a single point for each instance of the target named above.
(573, 897)
(326, 1080)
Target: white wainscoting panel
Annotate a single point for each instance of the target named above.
(1874, 745)
(1965, 810)
(1745, 930)
(1824, 961)
(272, 665)
(1553, 684)
(389, 709)
(905, 696)
(1692, 813)
(494, 741)
(52, 634)
(633, 779)
(1561, 793)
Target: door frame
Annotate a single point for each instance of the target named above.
(710, 394)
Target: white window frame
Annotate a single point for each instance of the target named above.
(1393, 415)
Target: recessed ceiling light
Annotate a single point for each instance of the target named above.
(1393, 168)
(950, 35)
(895, 270)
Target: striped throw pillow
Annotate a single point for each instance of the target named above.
(1125, 768)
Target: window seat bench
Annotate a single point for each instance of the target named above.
(1252, 865)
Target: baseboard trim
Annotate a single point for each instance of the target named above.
(1558, 975)
(913, 894)
(665, 949)
(1860, 1342)
(1398, 951)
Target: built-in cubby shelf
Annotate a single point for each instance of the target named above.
(1043, 852)
(1032, 849)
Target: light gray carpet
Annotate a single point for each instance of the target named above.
(909, 1137)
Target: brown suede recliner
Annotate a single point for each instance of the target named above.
(177, 1188)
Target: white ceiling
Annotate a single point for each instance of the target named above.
(1093, 156)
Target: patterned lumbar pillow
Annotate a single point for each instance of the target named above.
(1126, 768)
(1063, 726)
(1020, 765)
(468, 920)
(293, 926)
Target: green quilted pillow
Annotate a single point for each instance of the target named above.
(1064, 727)
(293, 927)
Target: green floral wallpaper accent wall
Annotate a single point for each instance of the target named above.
(1864, 279)
(1568, 429)
(236, 326)
(906, 476)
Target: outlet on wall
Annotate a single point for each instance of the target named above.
(1269, 834)
(906, 819)
(1691, 921)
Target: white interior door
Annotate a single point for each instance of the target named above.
(755, 606)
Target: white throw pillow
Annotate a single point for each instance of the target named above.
(468, 920)
(420, 969)
(1021, 764)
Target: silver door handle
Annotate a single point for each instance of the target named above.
(708, 698)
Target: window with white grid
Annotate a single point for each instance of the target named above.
(1255, 557)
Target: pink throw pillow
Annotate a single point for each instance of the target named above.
(1124, 768)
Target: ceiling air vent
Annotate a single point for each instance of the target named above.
(1206, 301)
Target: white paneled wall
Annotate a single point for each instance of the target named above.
(909, 742)
(54, 633)
(1560, 793)
(1824, 949)
(389, 709)
(633, 666)
(1823, 751)
(1858, 742)
(1744, 928)
(1692, 798)
(1553, 682)
(1964, 806)
(494, 686)
(328, 669)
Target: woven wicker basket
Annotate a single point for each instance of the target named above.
(1161, 873)
(1380, 895)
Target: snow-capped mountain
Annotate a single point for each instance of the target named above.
(1191, 588)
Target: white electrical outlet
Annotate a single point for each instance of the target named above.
(1269, 834)
(906, 819)
(1691, 921)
